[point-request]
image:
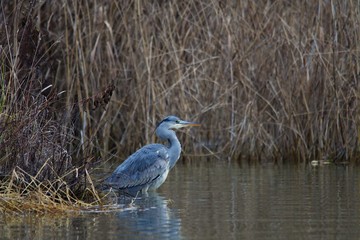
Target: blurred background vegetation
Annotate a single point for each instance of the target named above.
(84, 81)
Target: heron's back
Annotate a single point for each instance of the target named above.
(147, 168)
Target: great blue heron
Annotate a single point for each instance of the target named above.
(148, 167)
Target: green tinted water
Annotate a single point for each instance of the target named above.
(213, 200)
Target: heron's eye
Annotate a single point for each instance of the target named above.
(177, 121)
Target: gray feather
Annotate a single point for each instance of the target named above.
(142, 167)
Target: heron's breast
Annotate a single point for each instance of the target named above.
(163, 154)
(159, 181)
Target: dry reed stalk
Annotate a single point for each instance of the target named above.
(270, 81)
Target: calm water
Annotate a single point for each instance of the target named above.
(215, 200)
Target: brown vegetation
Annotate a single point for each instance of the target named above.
(87, 80)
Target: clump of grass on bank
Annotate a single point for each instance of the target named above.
(269, 81)
(44, 155)
(20, 195)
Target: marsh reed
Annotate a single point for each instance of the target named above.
(82, 82)
(270, 81)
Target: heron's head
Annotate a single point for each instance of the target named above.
(173, 122)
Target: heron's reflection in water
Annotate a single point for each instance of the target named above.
(150, 216)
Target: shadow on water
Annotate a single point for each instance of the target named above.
(146, 217)
(150, 217)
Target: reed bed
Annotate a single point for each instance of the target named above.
(83, 81)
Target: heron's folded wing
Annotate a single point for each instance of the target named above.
(142, 167)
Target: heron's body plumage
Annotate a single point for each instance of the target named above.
(148, 167)
(143, 169)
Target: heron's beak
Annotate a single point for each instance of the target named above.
(192, 124)
(183, 124)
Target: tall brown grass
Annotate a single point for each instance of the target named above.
(83, 81)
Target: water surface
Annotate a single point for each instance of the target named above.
(218, 200)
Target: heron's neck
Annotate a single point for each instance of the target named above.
(174, 148)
